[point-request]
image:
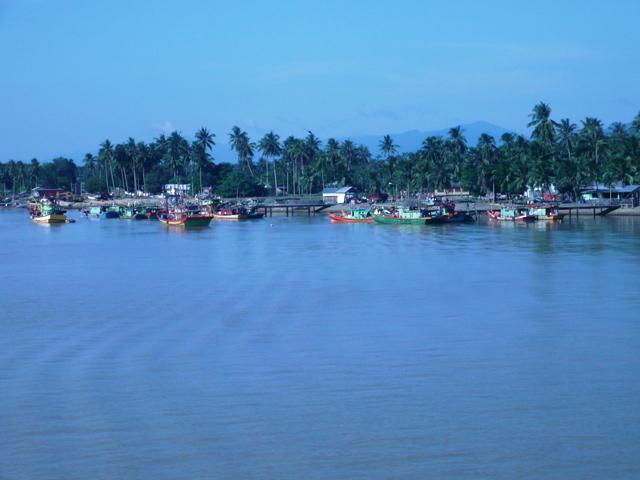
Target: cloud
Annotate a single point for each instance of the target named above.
(167, 127)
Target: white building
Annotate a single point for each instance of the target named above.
(338, 195)
(177, 188)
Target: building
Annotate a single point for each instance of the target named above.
(41, 192)
(616, 193)
(339, 195)
(177, 188)
(548, 194)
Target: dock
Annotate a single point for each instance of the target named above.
(587, 209)
(291, 209)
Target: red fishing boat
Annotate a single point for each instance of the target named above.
(354, 215)
(176, 214)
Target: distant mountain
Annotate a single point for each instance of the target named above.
(407, 141)
(412, 140)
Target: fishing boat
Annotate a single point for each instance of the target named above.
(150, 213)
(130, 213)
(46, 211)
(235, 212)
(440, 217)
(353, 215)
(402, 216)
(547, 212)
(103, 212)
(511, 215)
(231, 212)
(185, 218)
(446, 213)
(253, 215)
(176, 214)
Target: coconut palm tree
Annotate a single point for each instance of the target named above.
(347, 160)
(543, 126)
(270, 147)
(593, 142)
(314, 158)
(457, 148)
(204, 142)
(566, 136)
(484, 161)
(105, 155)
(332, 155)
(240, 143)
(387, 147)
(134, 160)
(34, 171)
(176, 156)
(635, 125)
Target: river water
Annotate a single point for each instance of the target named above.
(291, 348)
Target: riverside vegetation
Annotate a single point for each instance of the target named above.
(561, 153)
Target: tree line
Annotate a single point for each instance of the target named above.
(560, 153)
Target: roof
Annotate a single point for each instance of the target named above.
(616, 187)
(337, 190)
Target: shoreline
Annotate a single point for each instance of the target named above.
(467, 207)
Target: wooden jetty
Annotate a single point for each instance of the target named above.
(595, 209)
(571, 209)
(290, 209)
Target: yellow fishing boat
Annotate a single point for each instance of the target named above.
(46, 211)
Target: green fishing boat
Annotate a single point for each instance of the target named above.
(131, 213)
(402, 216)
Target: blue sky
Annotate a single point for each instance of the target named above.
(76, 72)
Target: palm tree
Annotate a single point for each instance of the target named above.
(457, 148)
(34, 169)
(90, 166)
(176, 156)
(593, 138)
(270, 148)
(313, 144)
(143, 151)
(239, 142)
(122, 160)
(134, 160)
(105, 154)
(347, 160)
(635, 124)
(566, 135)
(486, 148)
(543, 126)
(332, 154)
(387, 147)
(204, 141)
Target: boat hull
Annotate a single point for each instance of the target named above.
(519, 218)
(53, 218)
(446, 219)
(235, 216)
(342, 219)
(108, 215)
(188, 222)
(399, 221)
(554, 217)
(458, 217)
